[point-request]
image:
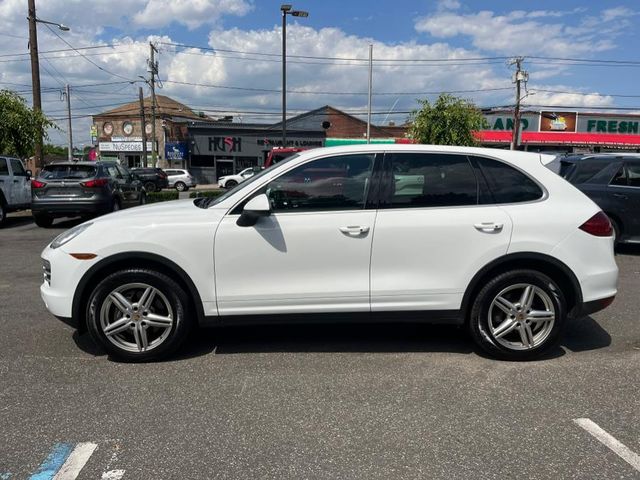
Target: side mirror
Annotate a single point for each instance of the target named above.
(254, 209)
(29, 174)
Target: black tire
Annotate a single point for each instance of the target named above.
(170, 291)
(181, 186)
(3, 213)
(482, 327)
(230, 184)
(150, 187)
(43, 220)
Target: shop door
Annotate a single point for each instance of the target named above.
(224, 167)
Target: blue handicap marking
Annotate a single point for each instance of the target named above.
(53, 462)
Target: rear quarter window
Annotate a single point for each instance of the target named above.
(506, 183)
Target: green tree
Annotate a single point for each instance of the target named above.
(19, 125)
(448, 121)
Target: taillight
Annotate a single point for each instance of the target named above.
(37, 184)
(162, 175)
(98, 182)
(598, 225)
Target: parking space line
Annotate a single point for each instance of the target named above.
(53, 462)
(610, 442)
(76, 461)
(112, 475)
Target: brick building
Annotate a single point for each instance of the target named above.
(119, 132)
(341, 125)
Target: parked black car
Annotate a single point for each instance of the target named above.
(613, 182)
(153, 178)
(83, 188)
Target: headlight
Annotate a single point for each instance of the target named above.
(69, 235)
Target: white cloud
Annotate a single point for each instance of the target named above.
(192, 13)
(524, 33)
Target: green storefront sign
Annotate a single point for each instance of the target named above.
(612, 126)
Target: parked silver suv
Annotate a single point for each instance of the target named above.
(15, 188)
(180, 179)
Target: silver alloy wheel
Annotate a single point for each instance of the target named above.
(136, 317)
(521, 317)
(181, 186)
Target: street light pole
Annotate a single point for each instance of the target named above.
(35, 71)
(286, 10)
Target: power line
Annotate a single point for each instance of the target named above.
(74, 49)
(306, 92)
(83, 56)
(351, 59)
(584, 93)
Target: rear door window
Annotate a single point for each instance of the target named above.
(430, 180)
(633, 174)
(620, 178)
(18, 169)
(506, 183)
(4, 168)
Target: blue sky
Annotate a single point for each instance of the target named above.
(401, 31)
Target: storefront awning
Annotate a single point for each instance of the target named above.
(560, 138)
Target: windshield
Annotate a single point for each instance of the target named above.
(208, 202)
(53, 172)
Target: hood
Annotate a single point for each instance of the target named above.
(155, 211)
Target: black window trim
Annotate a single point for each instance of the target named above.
(236, 209)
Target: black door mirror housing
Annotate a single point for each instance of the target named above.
(254, 209)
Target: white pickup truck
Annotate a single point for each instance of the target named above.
(15, 186)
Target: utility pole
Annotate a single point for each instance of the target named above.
(143, 128)
(67, 93)
(35, 78)
(153, 69)
(370, 92)
(519, 77)
(284, 77)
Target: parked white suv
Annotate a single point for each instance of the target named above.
(180, 179)
(490, 239)
(15, 187)
(230, 181)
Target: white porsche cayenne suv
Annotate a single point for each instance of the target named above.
(488, 239)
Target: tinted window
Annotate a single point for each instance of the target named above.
(123, 171)
(586, 169)
(112, 171)
(633, 174)
(333, 183)
(506, 184)
(17, 167)
(52, 172)
(4, 168)
(620, 178)
(431, 180)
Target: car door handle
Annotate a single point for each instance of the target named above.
(354, 230)
(488, 227)
(619, 195)
(16, 181)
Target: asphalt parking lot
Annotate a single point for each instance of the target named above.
(368, 401)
